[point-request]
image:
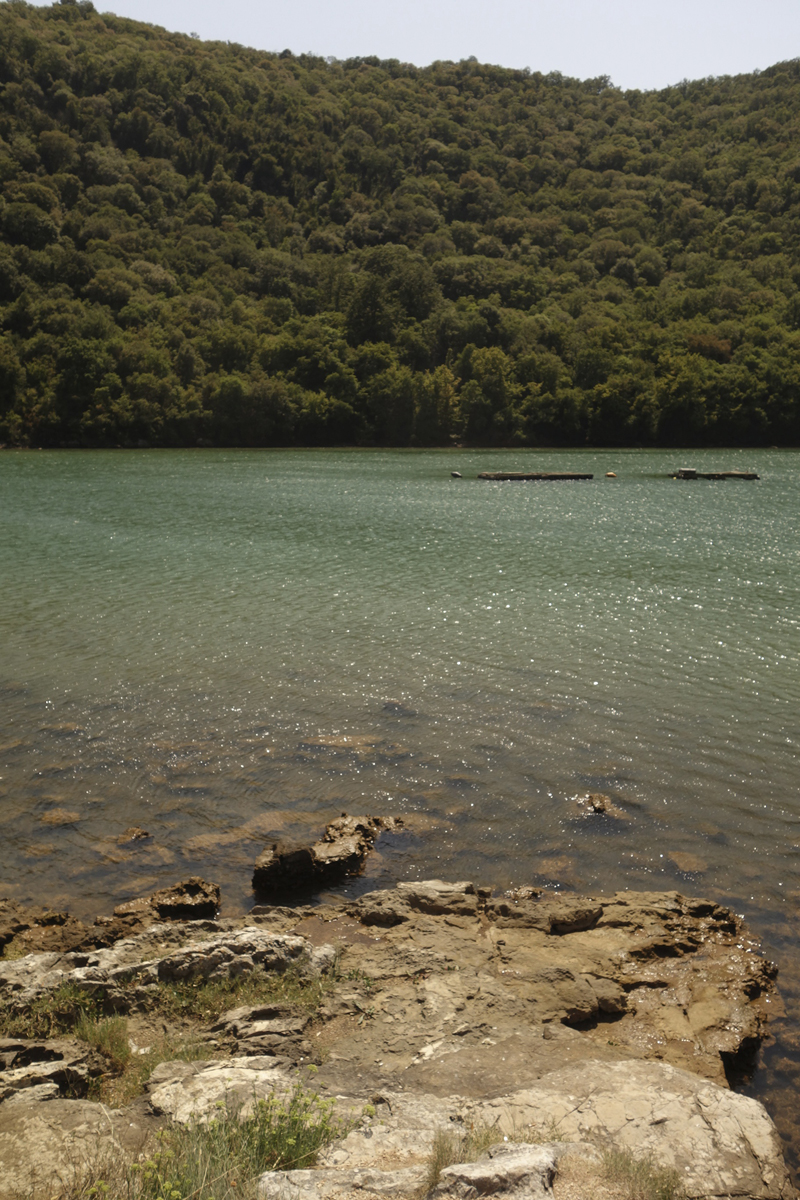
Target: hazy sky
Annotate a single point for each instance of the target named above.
(639, 43)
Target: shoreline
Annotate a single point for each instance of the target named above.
(430, 989)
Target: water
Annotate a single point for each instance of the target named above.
(226, 647)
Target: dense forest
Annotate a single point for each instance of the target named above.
(203, 243)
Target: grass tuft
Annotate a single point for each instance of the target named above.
(129, 1071)
(450, 1148)
(221, 1159)
(641, 1178)
(204, 1000)
(52, 1014)
(109, 1036)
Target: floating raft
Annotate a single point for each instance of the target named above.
(550, 475)
(691, 473)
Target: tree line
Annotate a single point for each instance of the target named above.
(201, 242)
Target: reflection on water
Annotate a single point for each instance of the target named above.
(227, 647)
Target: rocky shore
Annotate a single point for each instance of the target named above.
(570, 1026)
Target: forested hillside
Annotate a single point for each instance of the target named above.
(202, 242)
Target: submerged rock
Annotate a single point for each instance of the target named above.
(341, 851)
(596, 804)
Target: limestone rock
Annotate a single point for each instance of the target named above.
(265, 1029)
(721, 1143)
(476, 987)
(341, 851)
(44, 1143)
(59, 1066)
(432, 896)
(557, 915)
(515, 1171)
(330, 1185)
(144, 959)
(229, 955)
(193, 1091)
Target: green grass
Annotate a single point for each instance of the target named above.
(109, 1036)
(52, 1014)
(450, 1148)
(221, 1159)
(129, 1071)
(641, 1178)
(201, 1000)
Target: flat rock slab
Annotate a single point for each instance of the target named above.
(721, 1143)
(336, 1185)
(470, 993)
(193, 1091)
(45, 1141)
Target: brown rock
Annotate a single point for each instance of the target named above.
(341, 851)
(134, 834)
(190, 900)
(40, 929)
(552, 914)
(597, 804)
(690, 864)
(59, 816)
(640, 974)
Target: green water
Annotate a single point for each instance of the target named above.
(225, 647)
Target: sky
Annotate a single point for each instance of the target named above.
(638, 43)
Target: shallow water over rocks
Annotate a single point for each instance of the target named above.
(227, 648)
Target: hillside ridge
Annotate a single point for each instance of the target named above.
(205, 243)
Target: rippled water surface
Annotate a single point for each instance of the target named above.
(227, 647)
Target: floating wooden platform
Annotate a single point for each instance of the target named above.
(691, 473)
(549, 475)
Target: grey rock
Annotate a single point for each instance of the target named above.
(721, 1143)
(233, 954)
(193, 1091)
(265, 1029)
(46, 1068)
(35, 1094)
(221, 955)
(321, 1185)
(519, 1170)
